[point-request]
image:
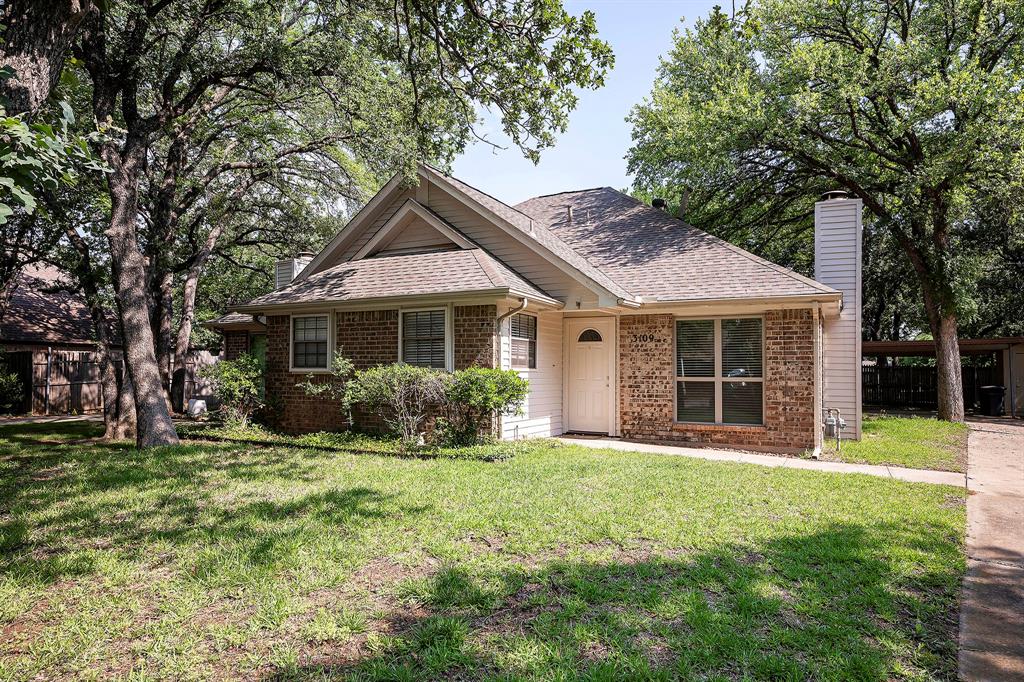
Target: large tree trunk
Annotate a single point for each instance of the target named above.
(188, 316)
(950, 375)
(153, 420)
(162, 323)
(123, 427)
(37, 36)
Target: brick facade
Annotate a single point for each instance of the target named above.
(368, 338)
(235, 343)
(476, 342)
(647, 385)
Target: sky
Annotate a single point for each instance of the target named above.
(591, 153)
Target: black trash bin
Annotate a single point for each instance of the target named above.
(992, 400)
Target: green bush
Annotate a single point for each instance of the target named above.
(472, 397)
(10, 386)
(402, 395)
(238, 385)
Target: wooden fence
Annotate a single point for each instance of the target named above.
(917, 387)
(69, 382)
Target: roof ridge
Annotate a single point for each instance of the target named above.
(538, 227)
(483, 260)
(477, 189)
(789, 272)
(568, 191)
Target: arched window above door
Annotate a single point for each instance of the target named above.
(589, 336)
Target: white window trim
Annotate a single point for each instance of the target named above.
(291, 342)
(717, 379)
(449, 332)
(536, 344)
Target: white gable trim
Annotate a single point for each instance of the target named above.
(609, 297)
(397, 222)
(352, 228)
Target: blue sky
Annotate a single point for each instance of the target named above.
(591, 152)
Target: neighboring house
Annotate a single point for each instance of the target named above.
(242, 333)
(48, 336)
(626, 320)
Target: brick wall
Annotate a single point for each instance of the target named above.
(235, 343)
(647, 385)
(368, 338)
(475, 340)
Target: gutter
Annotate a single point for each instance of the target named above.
(510, 313)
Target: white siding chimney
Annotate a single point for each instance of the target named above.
(287, 269)
(837, 263)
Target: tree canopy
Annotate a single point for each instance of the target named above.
(916, 108)
(233, 131)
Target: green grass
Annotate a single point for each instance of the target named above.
(348, 441)
(234, 561)
(914, 442)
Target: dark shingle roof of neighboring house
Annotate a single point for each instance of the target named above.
(658, 257)
(415, 274)
(238, 321)
(45, 310)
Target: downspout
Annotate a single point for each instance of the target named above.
(819, 370)
(510, 313)
(497, 328)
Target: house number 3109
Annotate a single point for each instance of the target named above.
(643, 338)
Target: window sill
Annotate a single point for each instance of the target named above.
(310, 370)
(746, 428)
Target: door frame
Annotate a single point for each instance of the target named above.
(568, 340)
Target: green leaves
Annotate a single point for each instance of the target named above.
(918, 109)
(39, 156)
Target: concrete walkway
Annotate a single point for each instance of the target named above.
(899, 473)
(992, 611)
(51, 419)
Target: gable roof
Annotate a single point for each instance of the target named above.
(658, 257)
(458, 271)
(531, 230)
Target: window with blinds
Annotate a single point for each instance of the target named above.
(720, 371)
(423, 338)
(524, 341)
(309, 342)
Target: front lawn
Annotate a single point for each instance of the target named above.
(237, 561)
(913, 442)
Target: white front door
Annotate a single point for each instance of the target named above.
(590, 346)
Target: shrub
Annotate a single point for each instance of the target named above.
(10, 386)
(402, 394)
(473, 396)
(238, 385)
(341, 370)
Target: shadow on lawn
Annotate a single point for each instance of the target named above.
(111, 497)
(826, 605)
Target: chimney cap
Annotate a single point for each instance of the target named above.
(835, 194)
(659, 203)
(305, 254)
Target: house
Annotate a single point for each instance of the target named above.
(626, 320)
(48, 338)
(242, 333)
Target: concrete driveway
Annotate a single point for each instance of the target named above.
(992, 612)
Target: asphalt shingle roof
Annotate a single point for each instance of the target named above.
(433, 272)
(539, 232)
(45, 308)
(656, 256)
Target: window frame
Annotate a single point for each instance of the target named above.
(291, 344)
(449, 333)
(536, 346)
(717, 379)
